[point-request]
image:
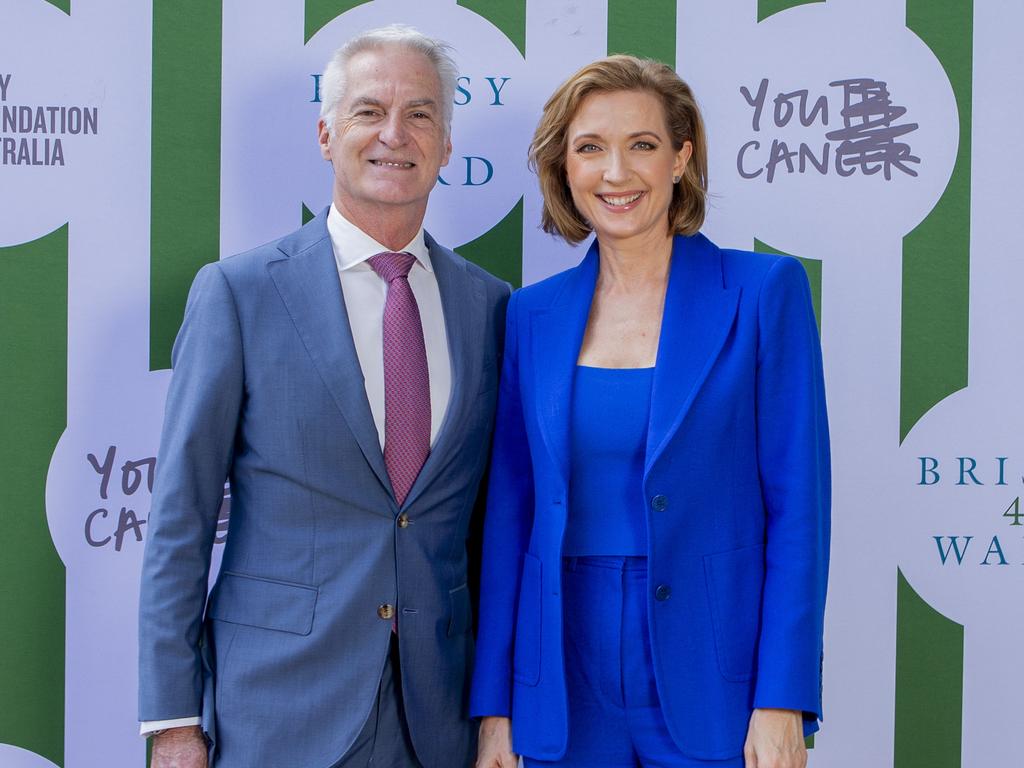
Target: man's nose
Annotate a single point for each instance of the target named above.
(392, 132)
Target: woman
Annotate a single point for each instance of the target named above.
(656, 543)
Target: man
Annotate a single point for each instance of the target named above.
(344, 379)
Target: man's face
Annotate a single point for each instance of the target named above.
(389, 140)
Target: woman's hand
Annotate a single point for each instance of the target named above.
(495, 749)
(775, 739)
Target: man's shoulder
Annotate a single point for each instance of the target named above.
(495, 285)
(253, 261)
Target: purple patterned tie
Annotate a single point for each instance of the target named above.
(406, 382)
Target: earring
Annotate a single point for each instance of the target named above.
(675, 179)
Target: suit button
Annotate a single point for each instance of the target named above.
(659, 503)
(386, 611)
(403, 520)
(662, 593)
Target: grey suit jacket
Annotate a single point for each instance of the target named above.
(284, 659)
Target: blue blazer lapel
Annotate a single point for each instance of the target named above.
(464, 303)
(556, 334)
(699, 313)
(308, 283)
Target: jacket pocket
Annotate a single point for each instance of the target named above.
(460, 613)
(735, 581)
(257, 602)
(526, 659)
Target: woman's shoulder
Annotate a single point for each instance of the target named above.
(743, 268)
(560, 285)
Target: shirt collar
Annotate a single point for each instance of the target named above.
(352, 246)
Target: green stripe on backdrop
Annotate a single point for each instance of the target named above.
(185, 214)
(643, 29)
(936, 254)
(319, 13)
(499, 250)
(33, 390)
(766, 8)
(507, 15)
(811, 266)
(929, 683)
(307, 215)
(64, 5)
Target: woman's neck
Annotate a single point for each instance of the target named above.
(634, 266)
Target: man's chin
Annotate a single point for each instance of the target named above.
(373, 203)
(397, 195)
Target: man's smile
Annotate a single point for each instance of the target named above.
(392, 164)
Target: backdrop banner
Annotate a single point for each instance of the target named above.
(140, 140)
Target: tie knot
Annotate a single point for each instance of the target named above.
(390, 265)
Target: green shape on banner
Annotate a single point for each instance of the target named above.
(185, 207)
(811, 266)
(936, 254)
(307, 215)
(507, 15)
(647, 30)
(766, 8)
(499, 250)
(64, 5)
(929, 683)
(33, 390)
(319, 13)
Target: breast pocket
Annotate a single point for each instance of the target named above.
(735, 581)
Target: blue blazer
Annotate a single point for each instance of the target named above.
(284, 661)
(736, 490)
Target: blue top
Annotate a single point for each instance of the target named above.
(610, 411)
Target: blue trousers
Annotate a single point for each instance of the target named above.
(615, 718)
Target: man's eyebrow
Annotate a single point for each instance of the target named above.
(366, 101)
(369, 101)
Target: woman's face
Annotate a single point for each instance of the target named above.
(620, 164)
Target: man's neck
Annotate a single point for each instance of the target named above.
(393, 226)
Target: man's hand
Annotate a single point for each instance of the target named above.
(775, 739)
(495, 750)
(179, 748)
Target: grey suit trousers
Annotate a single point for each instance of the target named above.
(384, 741)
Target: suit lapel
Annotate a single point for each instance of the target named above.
(464, 303)
(699, 313)
(309, 287)
(556, 334)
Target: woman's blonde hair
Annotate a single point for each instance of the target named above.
(619, 73)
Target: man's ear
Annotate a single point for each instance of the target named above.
(447, 152)
(323, 138)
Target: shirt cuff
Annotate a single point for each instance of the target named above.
(147, 727)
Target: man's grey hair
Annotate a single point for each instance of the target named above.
(332, 83)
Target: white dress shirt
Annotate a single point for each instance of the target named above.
(365, 293)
